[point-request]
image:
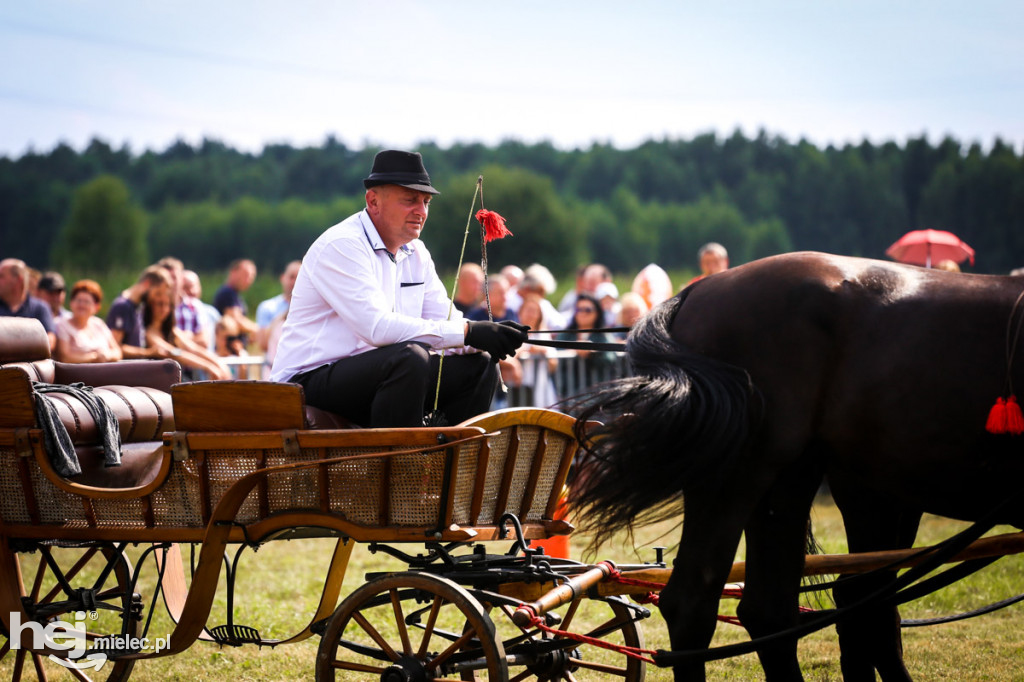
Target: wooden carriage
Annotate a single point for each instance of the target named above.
(214, 464)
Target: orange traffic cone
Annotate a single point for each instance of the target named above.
(557, 545)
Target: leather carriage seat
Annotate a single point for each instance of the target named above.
(143, 414)
(245, 405)
(136, 391)
(315, 418)
(24, 344)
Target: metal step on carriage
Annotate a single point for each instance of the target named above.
(240, 468)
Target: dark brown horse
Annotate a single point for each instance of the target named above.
(753, 385)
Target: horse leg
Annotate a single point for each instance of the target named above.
(870, 638)
(713, 522)
(776, 544)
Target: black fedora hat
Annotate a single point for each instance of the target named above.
(393, 167)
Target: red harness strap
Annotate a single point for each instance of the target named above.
(630, 651)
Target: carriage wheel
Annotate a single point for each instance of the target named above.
(410, 627)
(536, 655)
(54, 582)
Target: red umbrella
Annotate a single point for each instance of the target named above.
(924, 247)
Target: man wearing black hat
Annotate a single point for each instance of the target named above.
(369, 315)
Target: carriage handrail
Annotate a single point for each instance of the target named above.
(98, 493)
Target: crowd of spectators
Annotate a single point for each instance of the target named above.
(162, 315)
(539, 375)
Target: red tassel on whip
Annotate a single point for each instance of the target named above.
(1014, 418)
(997, 417)
(494, 225)
(1005, 417)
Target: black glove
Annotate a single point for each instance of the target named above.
(499, 339)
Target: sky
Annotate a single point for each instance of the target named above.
(397, 73)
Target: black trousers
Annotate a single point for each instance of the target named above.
(395, 386)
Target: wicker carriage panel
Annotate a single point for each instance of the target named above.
(415, 488)
(355, 487)
(398, 490)
(529, 437)
(465, 482)
(292, 489)
(13, 508)
(223, 469)
(556, 445)
(177, 502)
(123, 513)
(55, 505)
(495, 471)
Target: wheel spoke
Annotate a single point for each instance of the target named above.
(37, 583)
(570, 613)
(79, 674)
(602, 667)
(65, 580)
(356, 667)
(428, 630)
(403, 633)
(507, 610)
(615, 624)
(19, 664)
(359, 618)
(466, 638)
(37, 661)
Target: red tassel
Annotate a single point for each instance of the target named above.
(494, 225)
(1014, 418)
(997, 417)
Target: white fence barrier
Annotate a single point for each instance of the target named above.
(560, 375)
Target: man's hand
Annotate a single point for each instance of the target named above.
(499, 339)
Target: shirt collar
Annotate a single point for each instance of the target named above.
(376, 243)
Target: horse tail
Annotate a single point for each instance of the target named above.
(679, 421)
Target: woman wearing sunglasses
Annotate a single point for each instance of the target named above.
(589, 366)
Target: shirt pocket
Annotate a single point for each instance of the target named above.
(410, 298)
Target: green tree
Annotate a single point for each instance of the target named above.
(544, 230)
(623, 234)
(105, 231)
(211, 203)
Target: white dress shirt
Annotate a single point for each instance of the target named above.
(352, 296)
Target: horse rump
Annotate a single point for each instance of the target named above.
(680, 420)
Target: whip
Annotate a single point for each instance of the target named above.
(492, 226)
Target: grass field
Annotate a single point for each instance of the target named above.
(279, 588)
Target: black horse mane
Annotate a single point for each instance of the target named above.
(681, 419)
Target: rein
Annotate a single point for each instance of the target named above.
(615, 347)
